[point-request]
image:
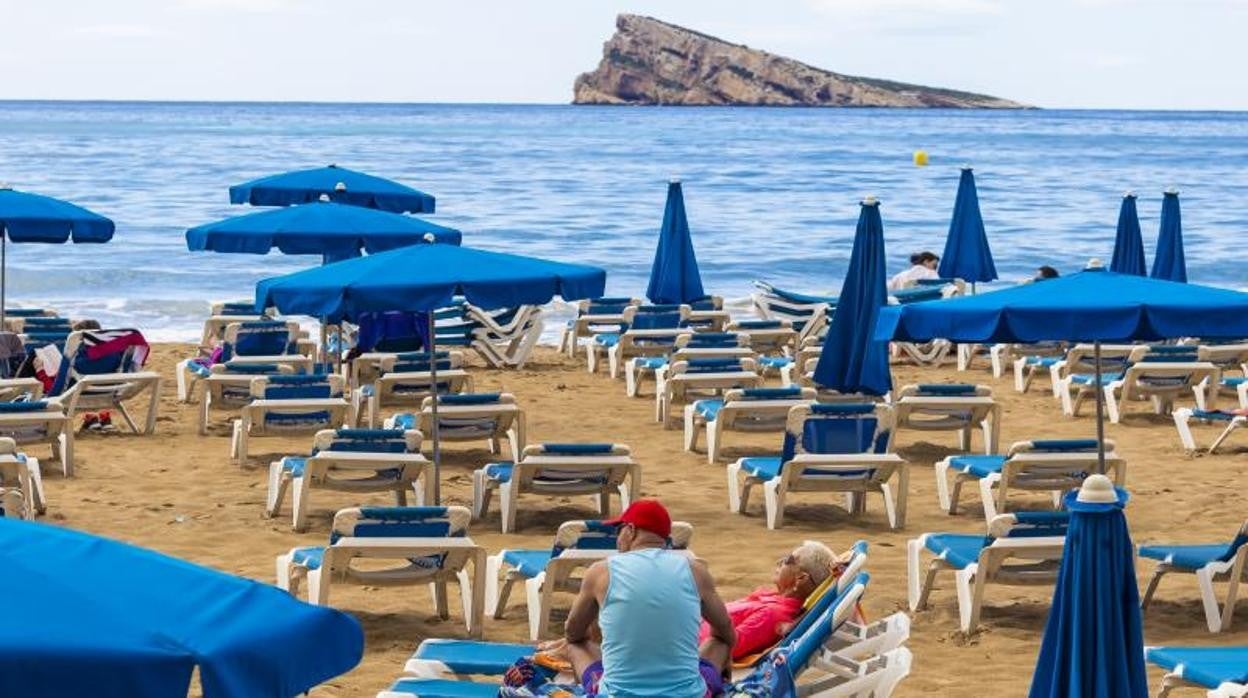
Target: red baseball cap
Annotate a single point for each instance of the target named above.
(646, 514)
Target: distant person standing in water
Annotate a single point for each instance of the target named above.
(922, 266)
(1046, 272)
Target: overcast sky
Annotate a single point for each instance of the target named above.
(1189, 54)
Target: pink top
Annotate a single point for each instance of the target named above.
(757, 619)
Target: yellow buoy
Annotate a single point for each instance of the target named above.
(920, 158)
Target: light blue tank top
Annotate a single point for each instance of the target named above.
(650, 622)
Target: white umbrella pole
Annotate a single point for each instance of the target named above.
(1100, 412)
(437, 447)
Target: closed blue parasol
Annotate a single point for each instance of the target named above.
(423, 278)
(338, 183)
(1169, 263)
(26, 217)
(674, 277)
(967, 254)
(99, 617)
(1128, 243)
(335, 231)
(853, 361)
(1093, 640)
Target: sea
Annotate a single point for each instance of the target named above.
(771, 194)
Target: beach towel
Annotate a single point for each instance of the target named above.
(99, 344)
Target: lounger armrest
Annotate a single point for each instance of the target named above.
(116, 377)
(948, 400)
(365, 457)
(307, 403)
(31, 384)
(672, 332)
(817, 459)
(390, 547)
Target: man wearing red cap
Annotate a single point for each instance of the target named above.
(649, 602)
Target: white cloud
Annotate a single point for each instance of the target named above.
(929, 8)
(242, 6)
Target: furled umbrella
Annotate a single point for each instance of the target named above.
(967, 254)
(853, 360)
(1093, 642)
(1128, 243)
(423, 278)
(26, 217)
(674, 276)
(339, 184)
(93, 616)
(1169, 263)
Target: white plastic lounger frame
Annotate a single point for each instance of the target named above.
(272, 412)
(404, 383)
(557, 470)
(1207, 568)
(1081, 359)
(40, 422)
(109, 390)
(1027, 361)
(341, 461)
(436, 557)
(237, 330)
(854, 470)
(1184, 416)
(593, 316)
(770, 338)
(20, 477)
(1055, 466)
(1179, 674)
(464, 417)
(1159, 381)
(1009, 555)
(957, 408)
(750, 410)
(509, 344)
(701, 345)
(675, 382)
(227, 391)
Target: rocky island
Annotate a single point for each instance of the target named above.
(652, 62)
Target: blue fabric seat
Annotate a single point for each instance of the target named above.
(443, 688)
(1191, 557)
(469, 657)
(979, 466)
(529, 563)
(607, 339)
(708, 409)
(1207, 666)
(958, 549)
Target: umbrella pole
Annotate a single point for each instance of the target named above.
(437, 447)
(4, 268)
(324, 349)
(1100, 412)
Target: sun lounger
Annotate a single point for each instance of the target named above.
(488, 417)
(14, 318)
(1224, 670)
(931, 353)
(1161, 378)
(592, 317)
(406, 380)
(578, 544)
(648, 330)
(746, 410)
(774, 303)
(228, 387)
(39, 422)
(19, 389)
(676, 382)
(1079, 365)
(21, 482)
(505, 338)
(701, 345)
(287, 405)
(368, 366)
(430, 545)
(108, 380)
(1041, 465)
(1026, 360)
(1209, 563)
(264, 342)
(1024, 548)
(351, 460)
(950, 407)
(557, 470)
(1183, 417)
(827, 448)
(767, 337)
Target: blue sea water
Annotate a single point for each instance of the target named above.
(771, 193)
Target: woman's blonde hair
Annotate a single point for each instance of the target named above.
(815, 559)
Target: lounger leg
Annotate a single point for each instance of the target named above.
(1111, 403)
(942, 485)
(1209, 598)
(970, 593)
(66, 451)
(774, 497)
(504, 593)
(1152, 585)
(630, 378)
(604, 503)
(691, 430)
(913, 589)
(1235, 424)
(37, 501)
(903, 495)
(1205, 394)
(890, 510)
(736, 502)
(537, 619)
(1182, 418)
(283, 575)
(516, 437)
(480, 493)
(475, 595)
(507, 495)
(714, 437)
(440, 606)
(300, 491)
(152, 407)
(319, 581)
(988, 494)
(181, 371)
(493, 566)
(1232, 590)
(277, 489)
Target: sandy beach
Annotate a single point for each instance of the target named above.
(179, 493)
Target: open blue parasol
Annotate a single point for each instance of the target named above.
(26, 217)
(674, 276)
(1128, 243)
(91, 616)
(339, 184)
(334, 231)
(853, 360)
(423, 278)
(967, 254)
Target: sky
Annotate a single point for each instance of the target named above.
(1128, 54)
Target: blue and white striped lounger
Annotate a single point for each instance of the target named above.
(1224, 670)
